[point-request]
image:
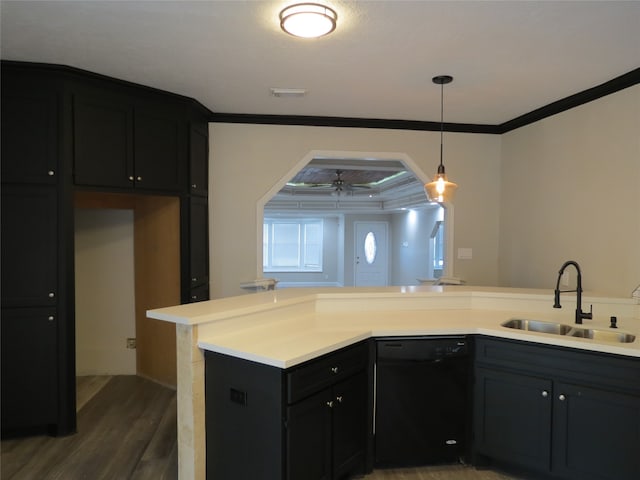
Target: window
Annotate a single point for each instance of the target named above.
(370, 248)
(292, 245)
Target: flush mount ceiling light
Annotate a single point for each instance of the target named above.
(441, 190)
(308, 20)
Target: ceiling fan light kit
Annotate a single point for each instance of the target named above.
(308, 20)
(440, 189)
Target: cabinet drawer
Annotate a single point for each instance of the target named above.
(316, 374)
(588, 368)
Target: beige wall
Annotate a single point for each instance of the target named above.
(247, 161)
(105, 300)
(571, 190)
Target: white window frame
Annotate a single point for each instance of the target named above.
(304, 262)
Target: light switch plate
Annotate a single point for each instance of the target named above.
(465, 253)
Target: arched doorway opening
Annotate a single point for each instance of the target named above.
(311, 220)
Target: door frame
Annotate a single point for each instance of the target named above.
(355, 247)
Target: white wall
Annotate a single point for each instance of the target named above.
(105, 298)
(571, 190)
(247, 161)
(412, 253)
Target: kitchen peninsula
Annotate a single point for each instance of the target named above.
(285, 328)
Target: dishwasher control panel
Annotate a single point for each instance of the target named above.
(421, 348)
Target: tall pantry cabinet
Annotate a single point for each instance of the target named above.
(67, 132)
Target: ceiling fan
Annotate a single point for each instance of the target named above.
(340, 185)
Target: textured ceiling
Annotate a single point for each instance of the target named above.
(507, 57)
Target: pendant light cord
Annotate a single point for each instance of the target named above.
(441, 120)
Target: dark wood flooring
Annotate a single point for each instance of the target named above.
(126, 430)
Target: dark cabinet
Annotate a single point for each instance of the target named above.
(309, 438)
(308, 422)
(64, 129)
(569, 414)
(195, 242)
(29, 369)
(326, 432)
(29, 246)
(199, 241)
(121, 144)
(103, 140)
(160, 150)
(29, 132)
(198, 159)
(596, 433)
(348, 425)
(513, 422)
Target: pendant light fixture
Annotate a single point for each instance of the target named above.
(441, 190)
(308, 20)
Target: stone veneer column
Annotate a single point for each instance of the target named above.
(191, 405)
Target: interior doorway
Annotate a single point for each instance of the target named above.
(154, 236)
(363, 186)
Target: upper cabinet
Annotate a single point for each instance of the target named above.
(198, 159)
(122, 142)
(29, 131)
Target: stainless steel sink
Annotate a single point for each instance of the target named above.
(569, 330)
(603, 335)
(537, 326)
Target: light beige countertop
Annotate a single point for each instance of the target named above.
(286, 327)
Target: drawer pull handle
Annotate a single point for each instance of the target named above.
(562, 398)
(330, 404)
(51, 173)
(51, 294)
(50, 318)
(545, 394)
(334, 369)
(339, 398)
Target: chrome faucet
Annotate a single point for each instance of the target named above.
(556, 304)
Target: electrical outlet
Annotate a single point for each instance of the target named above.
(131, 343)
(565, 280)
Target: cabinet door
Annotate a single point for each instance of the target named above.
(513, 418)
(29, 134)
(159, 149)
(29, 245)
(102, 139)
(29, 367)
(309, 438)
(349, 425)
(198, 159)
(198, 241)
(596, 434)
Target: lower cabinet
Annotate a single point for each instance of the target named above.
(568, 414)
(596, 433)
(309, 422)
(326, 432)
(513, 418)
(29, 368)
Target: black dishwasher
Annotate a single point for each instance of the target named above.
(422, 406)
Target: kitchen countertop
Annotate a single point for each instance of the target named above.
(283, 328)
(286, 327)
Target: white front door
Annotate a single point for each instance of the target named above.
(371, 254)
